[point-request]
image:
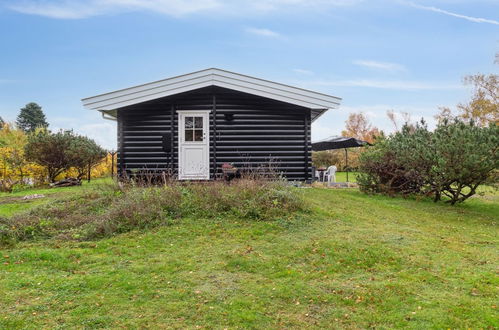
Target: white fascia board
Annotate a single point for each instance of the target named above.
(277, 86)
(211, 77)
(108, 116)
(145, 87)
(267, 94)
(148, 95)
(272, 93)
(192, 112)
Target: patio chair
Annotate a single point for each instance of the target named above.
(331, 174)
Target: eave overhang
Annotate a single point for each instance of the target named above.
(108, 103)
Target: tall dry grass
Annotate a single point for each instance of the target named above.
(121, 208)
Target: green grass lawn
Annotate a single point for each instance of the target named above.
(342, 176)
(353, 261)
(11, 203)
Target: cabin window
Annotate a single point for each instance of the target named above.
(193, 129)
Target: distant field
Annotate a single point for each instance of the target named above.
(352, 261)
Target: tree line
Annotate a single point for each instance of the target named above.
(32, 154)
(450, 161)
(482, 109)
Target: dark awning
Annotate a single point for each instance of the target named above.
(338, 142)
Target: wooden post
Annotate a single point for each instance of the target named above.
(88, 174)
(172, 137)
(112, 153)
(307, 140)
(214, 140)
(121, 142)
(346, 161)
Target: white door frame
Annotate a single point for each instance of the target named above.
(183, 146)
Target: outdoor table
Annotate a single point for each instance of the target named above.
(322, 171)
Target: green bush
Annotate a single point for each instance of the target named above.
(58, 152)
(451, 162)
(111, 211)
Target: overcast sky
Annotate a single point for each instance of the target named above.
(377, 55)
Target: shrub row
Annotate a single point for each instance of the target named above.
(449, 162)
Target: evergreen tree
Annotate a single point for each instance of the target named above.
(84, 154)
(50, 150)
(31, 117)
(2, 122)
(58, 152)
(448, 163)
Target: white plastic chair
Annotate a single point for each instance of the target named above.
(331, 174)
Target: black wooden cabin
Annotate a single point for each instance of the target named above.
(191, 125)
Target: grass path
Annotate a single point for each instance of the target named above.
(354, 261)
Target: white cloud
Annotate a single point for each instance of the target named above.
(272, 5)
(321, 130)
(71, 10)
(263, 32)
(103, 133)
(384, 66)
(78, 9)
(377, 113)
(96, 128)
(303, 71)
(386, 84)
(445, 12)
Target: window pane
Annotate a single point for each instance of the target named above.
(198, 135)
(198, 123)
(189, 122)
(188, 135)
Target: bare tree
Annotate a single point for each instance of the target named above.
(358, 126)
(406, 119)
(483, 107)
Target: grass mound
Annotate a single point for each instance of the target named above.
(111, 210)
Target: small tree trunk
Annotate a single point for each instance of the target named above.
(437, 196)
(51, 174)
(112, 164)
(89, 169)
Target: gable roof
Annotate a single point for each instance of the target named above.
(108, 102)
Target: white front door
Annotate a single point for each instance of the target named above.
(193, 145)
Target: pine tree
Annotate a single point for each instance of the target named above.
(31, 117)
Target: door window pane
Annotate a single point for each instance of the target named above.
(188, 135)
(198, 135)
(193, 128)
(198, 122)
